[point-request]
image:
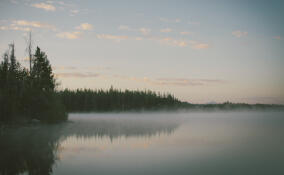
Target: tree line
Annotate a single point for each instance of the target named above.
(115, 100)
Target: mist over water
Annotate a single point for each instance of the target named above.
(148, 143)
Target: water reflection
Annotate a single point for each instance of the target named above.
(115, 127)
(34, 149)
(28, 149)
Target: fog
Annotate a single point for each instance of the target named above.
(148, 143)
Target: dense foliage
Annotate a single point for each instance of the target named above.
(115, 100)
(87, 100)
(26, 95)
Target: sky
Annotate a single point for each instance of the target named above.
(200, 51)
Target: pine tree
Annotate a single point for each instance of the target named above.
(45, 104)
(41, 73)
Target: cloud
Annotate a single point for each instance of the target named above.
(166, 30)
(23, 25)
(85, 26)
(96, 67)
(181, 43)
(26, 29)
(35, 24)
(167, 40)
(112, 37)
(138, 38)
(185, 82)
(200, 46)
(186, 33)
(173, 42)
(145, 31)
(177, 20)
(61, 3)
(77, 75)
(173, 81)
(124, 27)
(277, 37)
(69, 35)
(74, 12)
(239, 33)
(44, 6)
(84, 68)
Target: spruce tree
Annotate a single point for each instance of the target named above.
(45, 105)
(42, 75)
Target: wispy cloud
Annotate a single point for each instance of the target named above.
(186, 33)
(117, 38)
(177, 20)
(124, 27)
(185, 82)
(69, 35)
(145, 31)
(173, 42)
(199, 46)
(173, 81)
(85, 26)
(83, 68)
(44, 6)
(15, 28)
(138, 38)
(180, 42)
(35, 24)
(166, 30)
(77, 75)
(23, 25)
(73, 12)
(142, 30)
(55, 5)
(238, 33)
(278, 38)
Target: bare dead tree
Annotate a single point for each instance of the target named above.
(29, 48)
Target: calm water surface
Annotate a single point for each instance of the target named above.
(148, 143)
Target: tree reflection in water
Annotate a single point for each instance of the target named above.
(34, 149)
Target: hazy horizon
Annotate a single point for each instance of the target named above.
(199, 51)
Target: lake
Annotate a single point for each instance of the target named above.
(179, 143)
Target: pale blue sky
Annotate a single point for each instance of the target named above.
(200, 51)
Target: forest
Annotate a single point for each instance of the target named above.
(31, 94)
(87, 100)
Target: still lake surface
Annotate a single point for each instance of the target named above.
(148, 143)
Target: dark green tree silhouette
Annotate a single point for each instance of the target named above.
(12, 80)
(116, 100)
(41, 73)
(45, 105)
(28, 95)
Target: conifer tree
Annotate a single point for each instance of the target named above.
(42, 72)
